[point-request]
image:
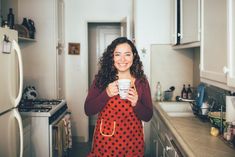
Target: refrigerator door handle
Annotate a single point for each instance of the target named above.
(18, 52)
(18, 117)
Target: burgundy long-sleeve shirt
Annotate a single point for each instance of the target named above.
(97, 99)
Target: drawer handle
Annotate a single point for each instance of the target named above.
(169, 148)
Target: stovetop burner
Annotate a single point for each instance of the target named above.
(38, 105)
(35, 109)
(39, 102)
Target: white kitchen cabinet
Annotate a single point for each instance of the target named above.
(156, 144)
(157, 147)
(231, 43)
(162, 139)
(186, 22)
(190, 21)
(174, 38)
(213, 56)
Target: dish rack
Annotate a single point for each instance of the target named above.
(197, 111)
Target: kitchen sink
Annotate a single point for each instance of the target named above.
(177, 109)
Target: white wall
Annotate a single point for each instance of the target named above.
(171, 67)
(152, 26)
(39, 57)
(78, 13)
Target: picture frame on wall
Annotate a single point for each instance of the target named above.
(74, 49)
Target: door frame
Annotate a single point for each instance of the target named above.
(97, 20)
(59, 80)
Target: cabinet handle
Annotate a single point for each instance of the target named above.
(226, 70)
(178, 34)
(169, 148)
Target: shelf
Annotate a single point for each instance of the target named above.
(25, 39)
(188, 45)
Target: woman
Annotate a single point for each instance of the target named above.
(119, 130)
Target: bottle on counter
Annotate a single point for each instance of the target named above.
(189, 92)
(184, 92)
(10, 19)
(159, 91)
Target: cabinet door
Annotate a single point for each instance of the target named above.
(153, 136)
(174, 35)
(231, 43)
(156, 146)
(160, 150)
(190, 21)
(214, 40)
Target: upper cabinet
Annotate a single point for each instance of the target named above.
(230, 69)
(189, 21)
(186, 22)
(213, 60)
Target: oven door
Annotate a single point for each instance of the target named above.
(56, 136)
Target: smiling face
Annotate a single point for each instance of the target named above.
(123, 58)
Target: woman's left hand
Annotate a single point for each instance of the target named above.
(132, 96)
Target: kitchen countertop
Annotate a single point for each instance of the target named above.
(194, 136)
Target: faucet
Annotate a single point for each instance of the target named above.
(178, 98)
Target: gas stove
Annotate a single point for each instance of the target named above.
(41, 107)
(45, 117)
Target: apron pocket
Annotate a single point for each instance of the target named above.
(107, 129)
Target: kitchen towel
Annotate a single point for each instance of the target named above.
(60, 137)
(68, 132)
(63, 136)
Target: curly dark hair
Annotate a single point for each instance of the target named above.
(108, 73)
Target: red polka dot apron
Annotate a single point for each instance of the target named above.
(118, 131)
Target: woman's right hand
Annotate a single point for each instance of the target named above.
(112, 89)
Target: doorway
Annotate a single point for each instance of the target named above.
(100, 35)
(60, 52)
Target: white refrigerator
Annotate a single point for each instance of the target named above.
(11, 83)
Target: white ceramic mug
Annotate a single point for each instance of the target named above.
(123, 87)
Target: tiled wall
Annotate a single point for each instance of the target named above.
(217, 95)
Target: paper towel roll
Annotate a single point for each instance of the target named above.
(230, 108)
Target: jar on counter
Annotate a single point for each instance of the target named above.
(228, 135)
(233, 129)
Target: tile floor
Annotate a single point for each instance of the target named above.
(80, 149)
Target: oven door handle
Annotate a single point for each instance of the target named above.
(58, 119)
(176, 148)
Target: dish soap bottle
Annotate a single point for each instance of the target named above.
(159, 91)
(10, 19)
